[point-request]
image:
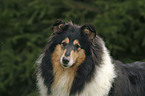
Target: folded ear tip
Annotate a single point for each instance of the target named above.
(90, 27)
(60, 26)
(58, 21)
(57, 26)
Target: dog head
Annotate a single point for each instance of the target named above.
(72, 43)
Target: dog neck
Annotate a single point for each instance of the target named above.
(104, 77)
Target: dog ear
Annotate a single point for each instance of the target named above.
(89, 30)
(58, 25)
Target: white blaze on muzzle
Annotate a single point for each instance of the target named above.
(66, 61)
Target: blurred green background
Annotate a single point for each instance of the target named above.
(25, 26)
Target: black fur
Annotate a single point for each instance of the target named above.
(85, 71)
(130, 80)
(57, 22)
(90, 27)
(46, 68)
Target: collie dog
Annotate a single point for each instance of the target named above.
(76, 63)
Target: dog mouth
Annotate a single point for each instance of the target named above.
(65, 65)
(66, 62)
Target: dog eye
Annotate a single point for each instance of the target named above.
(76, 46)
(64, 44)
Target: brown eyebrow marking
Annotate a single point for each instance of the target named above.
(66, 40)
(76, 42)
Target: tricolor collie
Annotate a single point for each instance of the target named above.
(76, 63)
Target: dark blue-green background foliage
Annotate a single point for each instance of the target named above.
(25, 26)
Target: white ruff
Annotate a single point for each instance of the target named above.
(40, 80)
(41, 86)
(61, 88)
(104, 76)
(100, 85)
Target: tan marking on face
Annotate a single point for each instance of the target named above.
(66, 40)
(67, 74)
(60, 72)
(76, 42)
(58, 52)
(78, 55)
(78, 58)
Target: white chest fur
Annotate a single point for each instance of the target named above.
(98, 86)
(62, 87)
(104, 77)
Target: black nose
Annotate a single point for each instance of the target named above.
(65, 60)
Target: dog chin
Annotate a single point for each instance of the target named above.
(70, 64)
